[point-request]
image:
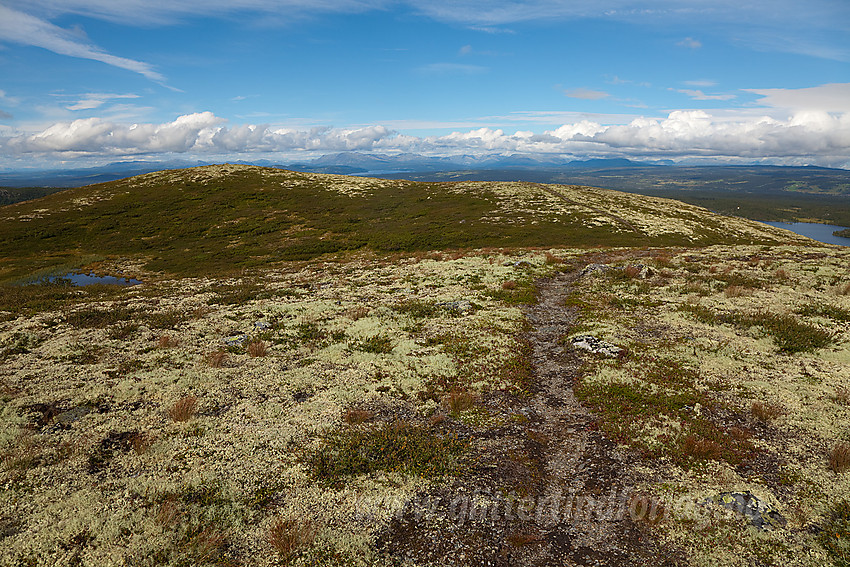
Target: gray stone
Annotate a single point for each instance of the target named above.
(236, 340)
(596, 346)
(757, 512)
(72, 415)
(596, 268)
(461, 306)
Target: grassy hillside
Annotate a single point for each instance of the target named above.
(216, 218)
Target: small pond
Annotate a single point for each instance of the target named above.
(89, 279)
(815, 231)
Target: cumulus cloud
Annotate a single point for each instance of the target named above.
(19, 27)
(805, 137)
(196, 133)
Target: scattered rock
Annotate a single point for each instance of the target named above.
(593, 268)
(596, 346)
(759, 513)
(462, 306)
(262, 325)
(236, 340)
(72, 415)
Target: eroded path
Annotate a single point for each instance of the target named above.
(547, 488)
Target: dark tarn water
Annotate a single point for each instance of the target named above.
(815, 231)
(89, 279)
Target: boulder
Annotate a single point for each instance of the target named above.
(759, 513)
(596, 346)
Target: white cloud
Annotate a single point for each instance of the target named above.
(834, 97)
(586, 94)
(701, 83)
(200, 133)
(91, 101)
(690, 43)
(699, 95)
(806, 137)
(18, 27)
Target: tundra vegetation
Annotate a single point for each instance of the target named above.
(254, 417)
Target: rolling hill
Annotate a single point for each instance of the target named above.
(211, 219)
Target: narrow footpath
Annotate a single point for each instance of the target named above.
(548, 490)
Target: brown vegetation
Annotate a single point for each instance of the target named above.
(184, 408)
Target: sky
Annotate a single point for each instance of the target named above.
(88, 82)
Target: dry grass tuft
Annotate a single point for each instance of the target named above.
(184, 408)
(842, 396)
(458, 401)
(839, 457)
(208, 544)
(287, 536)
(843, 289)
(167, 341)
(258, 348)
(766, 411)
(781, 274)
(357, 416)
(510, 284)
(738, 291)
(552, 259)
(168, 512)
(216, 358)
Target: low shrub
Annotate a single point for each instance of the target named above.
(397, 447)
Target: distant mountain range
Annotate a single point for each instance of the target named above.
(346, 163)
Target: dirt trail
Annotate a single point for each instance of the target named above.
(547, 491)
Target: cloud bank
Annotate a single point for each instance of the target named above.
(813, 136)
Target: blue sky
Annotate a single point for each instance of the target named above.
(84, 82)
